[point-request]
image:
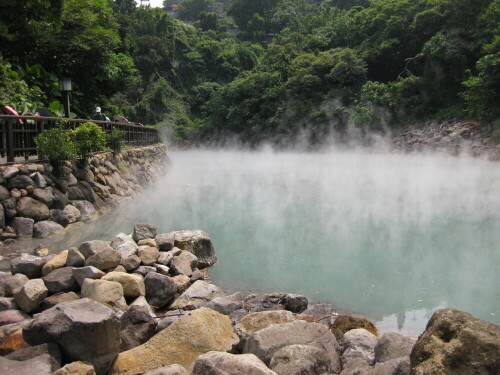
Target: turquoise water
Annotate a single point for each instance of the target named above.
(389, 237)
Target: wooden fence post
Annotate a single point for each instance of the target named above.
(10, 140)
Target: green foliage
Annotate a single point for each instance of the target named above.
(87, 138)
(115, 140)
(190, 9)
(55, 146)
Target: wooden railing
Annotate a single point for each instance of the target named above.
(18, 133)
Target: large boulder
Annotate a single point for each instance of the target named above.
(131, 263)
(301, 360)
(137, 327)
(28, 264)
(19, 182)
(201, 331)
(12, 316)
(76, 368)
(87, 210)
(133, 284)
(90, 248)
(9, 208)
(148, 255)
(344, 323)
(88, 272)
(125, 245)
(165, 241)
(56, 299)
(29, 207)
(265, 342)
(7, 303)
(200, 293)
(14, 283)
(160, 289)
(197, 242)
(41, 365)
(46, 228)
(44, 195)
(144, 231)
(393, 345)
(105, 259)
(61, 280)
(295, 303)
(23, 226)
(455, 342)
(224, 304)
(72, 213)
(34, 351)
(180, 266)
(84, 329)
(359, 343)
(220, 363)
(30, 295)
(75, 258)
(107, 292)
(58, 261)
(59, 217)
(169, 370)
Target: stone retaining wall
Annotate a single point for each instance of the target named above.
(37, 203)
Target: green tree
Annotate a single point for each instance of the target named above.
(87, 138)
(190, 9)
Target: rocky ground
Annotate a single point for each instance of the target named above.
(141, 304)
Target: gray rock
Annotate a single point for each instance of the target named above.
(160, 289)
(359, 344)
(125, 245)
(42, 365)
(357, 367)
(397, 366)
(2, 217)
(23, 226)
(90, 248)
(10, 172)
(180, 266)
(104, 260)
(198, 294)
(8, 303)
(189, 257)
(148, 255)
(89, 272)
(131, 263)
(75, 258)
(197, 275)
(4, 193)
(19, 182)
(27, 264)
(148, 242)
(133, 284)
(61, 280)
(60, 200)
(34, 351)
(225, 305)
(164, 258)
(393, 345)
(44, 229)
(301, 360)
(86, 209)
(76, 368)
(137, 327)
(295, 303)
(142, 301)
(14, 283)
(199, 243)
(4, 276)
(322, 312)
(72, 213)
(265, 342)
(30, 295)
(9, 208)
(71, 179)
(219, 363)
(44, 195)
(52, 301)
(165, 241)
(263, 302)
(39, 180)
(12, 316)
(166, 321)
(169, 370)
(144, 270)
(29, 207)
(104, 291)
(79, 328)
(59, 217)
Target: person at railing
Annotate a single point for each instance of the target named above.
(44, 112)
(99, 115)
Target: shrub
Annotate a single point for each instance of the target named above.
(87, 138)
(55, 146)
(115, 140)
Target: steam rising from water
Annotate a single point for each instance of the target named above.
(392, 237)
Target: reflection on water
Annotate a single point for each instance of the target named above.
(390, 237)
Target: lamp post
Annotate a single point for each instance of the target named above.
(65, 88)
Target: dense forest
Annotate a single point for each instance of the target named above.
(256, 69)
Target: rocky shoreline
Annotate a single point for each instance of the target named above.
(143, 304)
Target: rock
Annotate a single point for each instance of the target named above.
(31, 208)
(73, 214)
(7, 303)
(165, 242)
(300, 360)
(34, 351)
(60, 200)
(12, 316)
(131, 263)
(2, 217)
(106, 259)
(175, 251)
(180, 266)
(149, 255)
(75, 258)
(39, 180)
(144, 231)
(125, 245)
(84, 329)
(199, 243)
(169, 370)
(147, 242)
(164, 258)
(323, 313)
(265, 342)
(10, 172)
(455, 342)
(76, 368)
(4, 193)
(357, 367)
(160, 289)
(197, 275)
(86, 209)
(27, 264)
(167, 321)
(13, 343)
(44, 195)
(89, 272)
(344, 323)
(14, 283)
(164, 270)
(144, 270)
(9, 208)
(359, 344)
(133, 285)
(61, 280)
(142, 301)
(393, 345)
(192, 335)
(219, 363)
(59, 217)
(51, 301)
(23, 226)
(42, 365)
(71, 179)
(90, 248)
(44, 229)
(137, 327)
(295, 303)
(397, 366)
(189, 257)
(108, 292)
(224, 304)
(58, 261)
(263, 302)
(30, 295)
(182, 282)
(197, 294)
(19, 182)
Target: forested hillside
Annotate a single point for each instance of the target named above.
(258, 69)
